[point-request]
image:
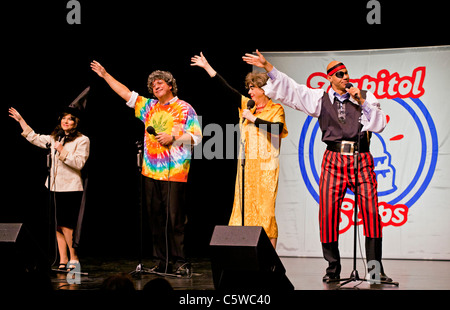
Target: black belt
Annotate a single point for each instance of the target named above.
(347, 147)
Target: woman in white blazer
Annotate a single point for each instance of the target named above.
(69, 152)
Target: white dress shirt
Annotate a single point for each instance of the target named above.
(300, 97)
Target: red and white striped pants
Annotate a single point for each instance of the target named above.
(338, 174)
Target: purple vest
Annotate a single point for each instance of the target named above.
(334, 130)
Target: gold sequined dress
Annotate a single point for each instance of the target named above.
(262, 150)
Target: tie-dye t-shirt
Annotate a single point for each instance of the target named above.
(174, 118)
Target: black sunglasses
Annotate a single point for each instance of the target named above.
(340, 74)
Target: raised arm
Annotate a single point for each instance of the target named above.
(283, 88)
(42, 141)
(16, 116)
(118, 87)
(200, 61)
(258, 60)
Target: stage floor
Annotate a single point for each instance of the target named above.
(304, 273)
(307, 273)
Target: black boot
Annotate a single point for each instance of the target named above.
(331, 255)
(374, 253)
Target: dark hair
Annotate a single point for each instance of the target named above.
(166, 76)
(73, 133)
(258, 79)
(118, 282)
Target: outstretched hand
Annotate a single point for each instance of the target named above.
(14, 114)
(17, 117)
(98, 68)
(118, 87)
(199, 61)
(257, 60)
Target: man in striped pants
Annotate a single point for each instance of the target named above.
(344, 113)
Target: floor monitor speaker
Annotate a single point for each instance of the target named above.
(242, 257)
(19, 250)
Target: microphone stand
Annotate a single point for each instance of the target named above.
(354, 276)
(250, 105)
(140, 269)
(50, 217)
(52, 222)
(165, 273)
(242, 173)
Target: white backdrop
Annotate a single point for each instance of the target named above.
(411, 155)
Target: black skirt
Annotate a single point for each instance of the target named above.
(67, 208)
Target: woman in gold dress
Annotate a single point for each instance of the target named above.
(262, 129)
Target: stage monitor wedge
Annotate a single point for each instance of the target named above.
(242, 258)
(19, 250)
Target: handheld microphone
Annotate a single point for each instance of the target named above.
(61, 133)
(350, 85)
(250, 105)
(151, 130)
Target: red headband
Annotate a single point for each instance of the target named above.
(335, 69)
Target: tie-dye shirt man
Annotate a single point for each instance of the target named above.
(175, 118)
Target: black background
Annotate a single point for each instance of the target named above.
(46, 65)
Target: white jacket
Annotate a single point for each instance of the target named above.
(65, 172)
